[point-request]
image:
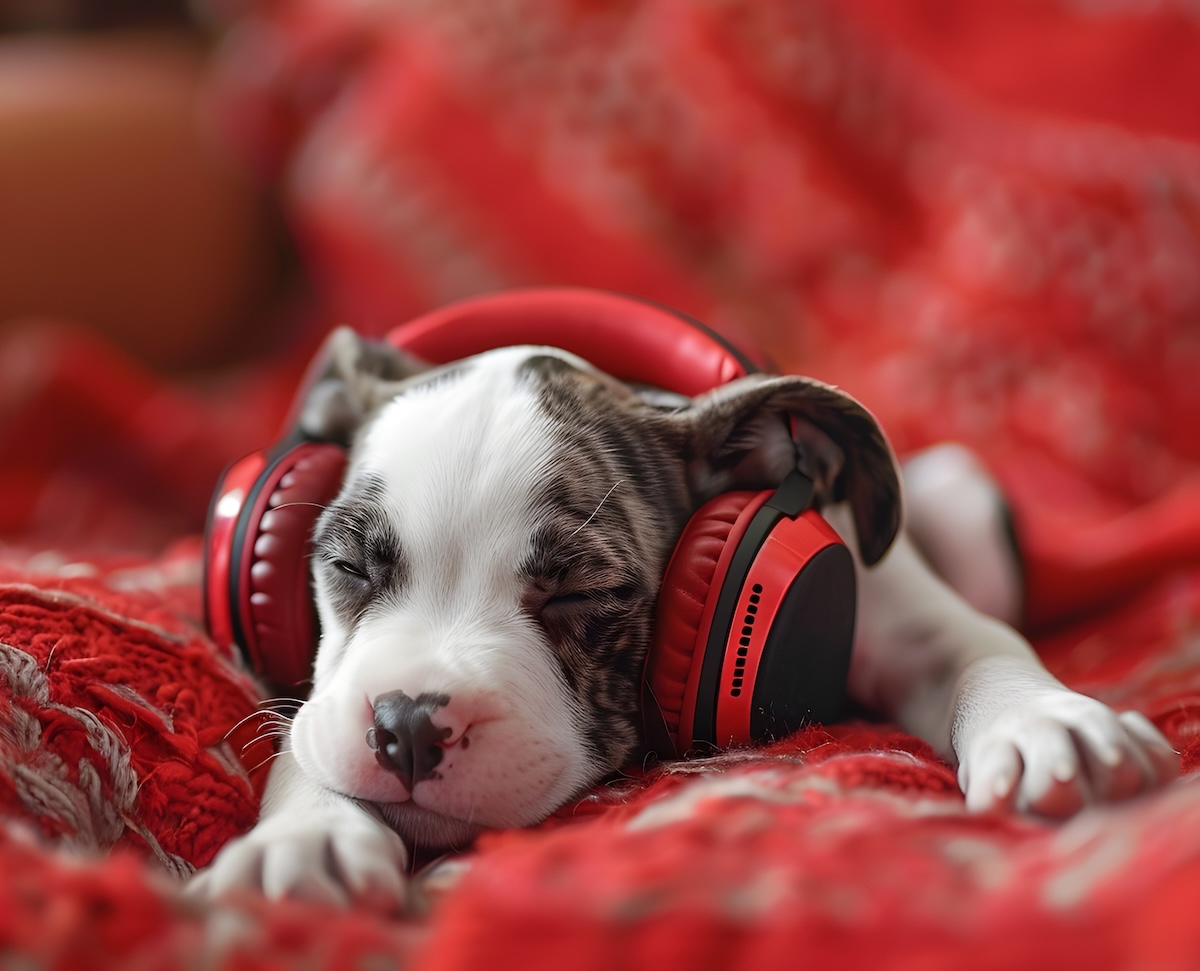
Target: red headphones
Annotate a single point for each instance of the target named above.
(756, 610)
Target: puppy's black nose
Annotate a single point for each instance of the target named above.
(404, 738)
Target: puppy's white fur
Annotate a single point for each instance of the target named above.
(459, 460)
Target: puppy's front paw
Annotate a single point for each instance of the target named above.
(337, 858)
(1056, 751)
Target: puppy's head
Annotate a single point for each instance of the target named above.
(486, 579)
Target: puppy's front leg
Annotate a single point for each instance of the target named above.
(973, 688)
(313, 844)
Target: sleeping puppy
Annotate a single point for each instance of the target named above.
(486, 585)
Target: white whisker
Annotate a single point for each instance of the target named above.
(267, 716)
(261, 738)
(269, 758)
(281, 700)
(598, 505)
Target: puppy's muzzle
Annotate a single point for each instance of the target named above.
(405, 739)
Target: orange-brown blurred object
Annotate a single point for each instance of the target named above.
(118, 210)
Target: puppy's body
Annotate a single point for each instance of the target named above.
(486, 583)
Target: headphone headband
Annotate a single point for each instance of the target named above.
(628, 337)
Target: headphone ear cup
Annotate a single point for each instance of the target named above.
(278, 620)
(686, 602)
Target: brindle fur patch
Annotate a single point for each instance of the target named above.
(611, 510)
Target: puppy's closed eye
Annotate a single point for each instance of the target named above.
(596, 598)
(600, 595)
(348, 581)
(351, 571)
(565, 601)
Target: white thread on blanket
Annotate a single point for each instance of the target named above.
(90, 819)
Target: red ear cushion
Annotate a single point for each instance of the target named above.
(278, 619)
(686, 602)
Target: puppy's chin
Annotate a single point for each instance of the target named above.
(422, 827)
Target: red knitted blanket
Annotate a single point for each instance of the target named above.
(983, 222)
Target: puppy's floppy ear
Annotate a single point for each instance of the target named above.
(351, 378)
(740, 436)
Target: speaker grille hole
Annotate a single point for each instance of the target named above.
(751, 612)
